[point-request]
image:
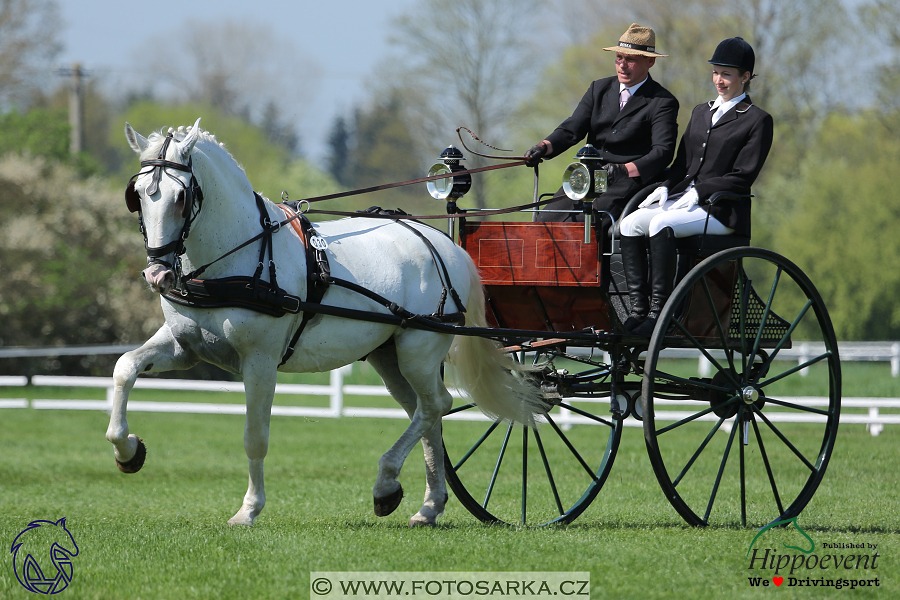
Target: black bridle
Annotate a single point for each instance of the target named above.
(188, 194)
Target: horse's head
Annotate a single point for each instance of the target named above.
(165, 193)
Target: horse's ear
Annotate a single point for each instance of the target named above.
(187, 144)
(137, 142)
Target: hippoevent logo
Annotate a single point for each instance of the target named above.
(42, 556)
(805, 567)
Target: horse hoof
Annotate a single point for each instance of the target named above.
(421, 521)
(388, 504)
(134, 464)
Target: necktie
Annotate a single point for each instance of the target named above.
(624, 95)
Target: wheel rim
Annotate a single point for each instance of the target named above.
(732, 448)
(530, 476)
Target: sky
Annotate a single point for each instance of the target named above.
(342, 40)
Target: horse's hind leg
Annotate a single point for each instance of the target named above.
(160, 353)
(387, 490)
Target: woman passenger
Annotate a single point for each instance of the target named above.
(723, 149)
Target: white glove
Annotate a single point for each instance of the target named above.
(660, 194)
(688, 200)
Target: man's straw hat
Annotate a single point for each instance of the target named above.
(637, 40)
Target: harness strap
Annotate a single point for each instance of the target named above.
(439, 264)
(318, 273)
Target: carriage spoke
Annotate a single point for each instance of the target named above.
(786, 337)
(799, 367)
(571, 448)
(487, 495)
(524, 471)
(537, 438)
(706, 353)
(719, 328)
(811, 409)
(480, 441)
(690, 463)
(786, 441)
(765, 316)
(696, 415)
(765, 457)
(691, 457)
(715, 489)
(691, 382)
(585, 414)
(453, 411)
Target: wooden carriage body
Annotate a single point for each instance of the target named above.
(544, 277)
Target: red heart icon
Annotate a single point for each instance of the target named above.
(778, 580)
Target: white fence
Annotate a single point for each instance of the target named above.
(800, 352)
(337, 391)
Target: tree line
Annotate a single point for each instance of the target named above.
(511, 70)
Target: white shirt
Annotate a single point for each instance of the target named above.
(722, 106)
(633, 88)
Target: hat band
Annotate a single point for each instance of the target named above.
(637, 47)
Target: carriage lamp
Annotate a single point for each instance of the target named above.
(451, 188)
(585, 178)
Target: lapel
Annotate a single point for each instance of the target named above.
(635, 103)
(741, 107)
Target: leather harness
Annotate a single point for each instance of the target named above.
(268, 298)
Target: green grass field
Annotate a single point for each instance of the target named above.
(161, 533)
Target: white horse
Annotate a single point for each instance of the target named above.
(380, 255)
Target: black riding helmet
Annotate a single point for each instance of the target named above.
(734, 52)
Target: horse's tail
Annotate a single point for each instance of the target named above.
(499, 386)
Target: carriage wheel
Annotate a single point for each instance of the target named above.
(739, 446)
(550, 473)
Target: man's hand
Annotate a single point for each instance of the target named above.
(533, 157)
(615, 173)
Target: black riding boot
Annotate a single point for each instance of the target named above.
(634, 263)
(663, 261)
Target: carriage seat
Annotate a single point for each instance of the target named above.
(696, 243)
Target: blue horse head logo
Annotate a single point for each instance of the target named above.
(44, 543)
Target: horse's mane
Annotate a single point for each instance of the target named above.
(207, 143)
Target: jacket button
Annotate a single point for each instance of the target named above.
(704, 144)
(707, 131)
(614, 130)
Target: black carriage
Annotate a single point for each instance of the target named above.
(731, 446)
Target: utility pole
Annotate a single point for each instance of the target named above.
(76, 106)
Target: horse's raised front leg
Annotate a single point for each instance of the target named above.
(160, 353)
(259, 386)
(425, 402)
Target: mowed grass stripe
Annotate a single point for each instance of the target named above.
(161, 533)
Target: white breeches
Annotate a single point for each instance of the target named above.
(684, 222)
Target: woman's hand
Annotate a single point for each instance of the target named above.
(690, 199)
(660, 194)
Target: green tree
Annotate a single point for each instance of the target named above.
(29, 30)
(842, 228)
(70, 255)
(43, 132)
(463, 63)
(339, 151)
(383, 151)
(270, 167)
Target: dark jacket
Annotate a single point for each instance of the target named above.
(644, 132)
(725, 157)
